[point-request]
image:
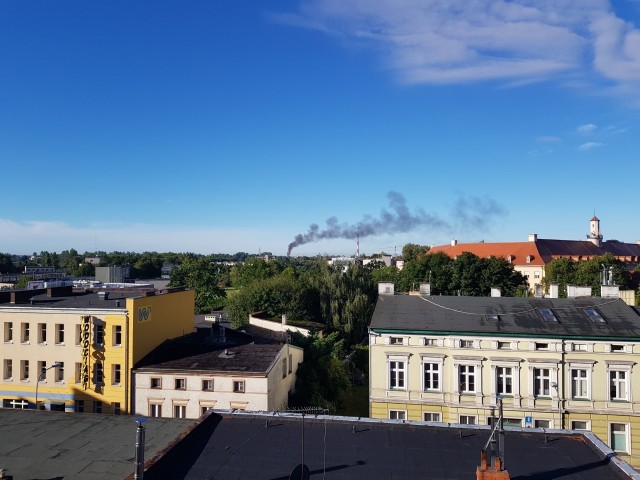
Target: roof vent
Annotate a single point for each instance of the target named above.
(103, 295)
(454, 242)
(533, 237)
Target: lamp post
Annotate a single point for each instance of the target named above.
(41, 374)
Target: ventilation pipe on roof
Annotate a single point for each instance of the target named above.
(533, 237)
(454, 242)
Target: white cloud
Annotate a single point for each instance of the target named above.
(462, 41)
(590, 146)
(588, 128)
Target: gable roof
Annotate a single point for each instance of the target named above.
(516, 316)
(519, 251)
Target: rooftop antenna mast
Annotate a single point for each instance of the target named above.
(492, 461)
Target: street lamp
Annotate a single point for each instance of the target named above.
(41, 374)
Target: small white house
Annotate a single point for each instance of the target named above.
(254, 377)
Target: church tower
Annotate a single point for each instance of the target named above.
(594, 236)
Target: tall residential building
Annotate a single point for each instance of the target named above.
(556, 363)
(64, 349)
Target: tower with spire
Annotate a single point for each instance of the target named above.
(595, 236)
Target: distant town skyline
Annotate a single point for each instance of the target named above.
(219, 127)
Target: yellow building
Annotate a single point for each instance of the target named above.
(556, 363)
(74, 351)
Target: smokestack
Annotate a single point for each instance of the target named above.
(358, 246)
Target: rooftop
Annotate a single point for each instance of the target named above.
(515, 316)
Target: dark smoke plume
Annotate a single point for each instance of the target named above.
(470, 213)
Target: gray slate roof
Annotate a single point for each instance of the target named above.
(517, 316)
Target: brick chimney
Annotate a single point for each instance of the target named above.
(487, 472)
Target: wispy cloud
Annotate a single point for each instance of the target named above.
(458, 41)
(588, 128)
(590, 146)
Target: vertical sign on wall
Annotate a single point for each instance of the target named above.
(85, 344)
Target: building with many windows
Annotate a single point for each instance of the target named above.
(73, 350)
(216, 368)
(556, 363)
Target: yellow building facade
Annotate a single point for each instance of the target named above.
(558, 364)
(74, 351)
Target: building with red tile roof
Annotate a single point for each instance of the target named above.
(530, 258)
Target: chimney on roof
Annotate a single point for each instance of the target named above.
(533, 237)
(454, 242)
(385, 288)
(284, 319)
(495, 292)
(103, 295)
(554, 290)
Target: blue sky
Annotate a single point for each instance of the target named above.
(233, 126)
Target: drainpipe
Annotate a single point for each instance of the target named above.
(139, 472)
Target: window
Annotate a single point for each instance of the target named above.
(205, 409)
(59, 334)
(117, 335)
(618, 385)
(617, 348)
(467, 378)
(579, 425)
(42, 333)
(290, 363)
(467, 419)
(20, 404)
(238, 386)
(431, 417)
(504, 345)
(396, 341)
(156, 382)
(466, 343)
(97, 406)
(115, 374)
(504, 380)
(98, 335)
(397, 375)
(179, 411)
(284, 368)
(594, 315)
(78, 372)
(541, 346)
(579, 383)
(547, 315)
(579, 347)
(42, 371)
(24, 369)
(180, 384)
(431, 376)
(25, 333)
(7, 369)
(8, 332)
(618, 437)
(78, 334)
(98, 373)
(541, 382)
(116, 408)
(155, 410)
(207, 385)
(430, 342)
(80, 406)
(397, 414)
(60, 372)
(542, 424)
(536, 274)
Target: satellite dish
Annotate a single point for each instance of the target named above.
(300, 472)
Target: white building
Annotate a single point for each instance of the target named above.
(255, 377)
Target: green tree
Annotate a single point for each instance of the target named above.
(253, 270)
(6, 264)
(561, 272)
(200, 275)
(412, 251)
(498, 273)
(467, 275)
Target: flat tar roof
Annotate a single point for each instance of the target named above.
(38, 444)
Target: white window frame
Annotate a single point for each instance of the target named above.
(398, 414)
(586, 422)
(42, 333)
(435, 416)
(59, 372)
(116, 374)
(618, 377)
(59, 332)
(155, 410)
(8, 332)
(468, 419)
(505, 376)
(7, 369)
(539, 375)
(239, 386)
(582, 381)
(179, 410)
(397, 364)
(207, 388)
(468, 373)
(627, 436)
(438, 362)
(25, 333)
(117, 335)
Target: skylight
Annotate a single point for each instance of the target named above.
(492, 317)
(594, 315)
(547, 314)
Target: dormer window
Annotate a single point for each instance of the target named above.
(529, 258)
(510, 258)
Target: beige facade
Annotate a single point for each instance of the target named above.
(163, 391)
(93, 341)
(545, 381)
